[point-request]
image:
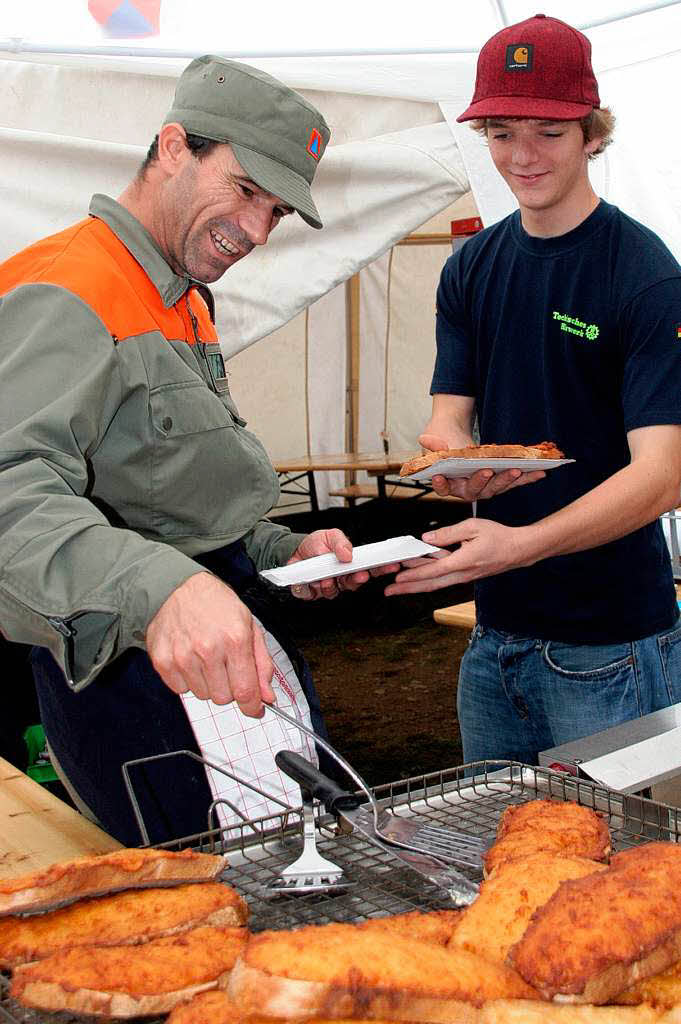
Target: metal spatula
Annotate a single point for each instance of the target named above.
(459, 888)
(422, 837)
(417, 834)
(310, 872)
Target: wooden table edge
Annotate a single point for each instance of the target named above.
(38, 829)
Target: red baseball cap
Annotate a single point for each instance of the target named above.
(538, 68)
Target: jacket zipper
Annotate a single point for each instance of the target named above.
(200, 344)
(197, 340)
(195, 322)
(68, 632)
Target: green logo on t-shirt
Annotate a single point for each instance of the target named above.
(573, 325)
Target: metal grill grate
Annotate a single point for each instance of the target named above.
(469, 798)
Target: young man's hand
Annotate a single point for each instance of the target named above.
(485, 483)
(484, 549)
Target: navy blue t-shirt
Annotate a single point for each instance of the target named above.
(576, 340)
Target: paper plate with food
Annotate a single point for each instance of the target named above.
(456, 462)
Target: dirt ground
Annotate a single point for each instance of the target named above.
(384, 669)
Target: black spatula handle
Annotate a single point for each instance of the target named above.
(309, 777)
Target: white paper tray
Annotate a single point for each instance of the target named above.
(454, 468)
(366, 556)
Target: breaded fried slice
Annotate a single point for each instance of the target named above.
(71, 880)
(126, 918)
(541, 450)
(435, 926)
(599, 935)
(339, 970)
(215, 1007)
(520, 1011)
(654, 859)
(499, 916)
(662, 990)
(565, 828)
(130, 981)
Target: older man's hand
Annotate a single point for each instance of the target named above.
(203, 639)
(322, 542)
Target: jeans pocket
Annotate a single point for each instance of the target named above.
(587, 663)
(669, 646)
(587, 688)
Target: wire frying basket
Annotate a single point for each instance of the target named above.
(469, 798)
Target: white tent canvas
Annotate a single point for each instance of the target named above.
(76, 123)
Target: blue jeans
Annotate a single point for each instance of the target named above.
(519, 695)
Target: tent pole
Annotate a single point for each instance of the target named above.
(352, 362)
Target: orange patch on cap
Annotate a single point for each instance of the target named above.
(314, 144)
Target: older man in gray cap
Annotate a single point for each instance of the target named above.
(133, 501)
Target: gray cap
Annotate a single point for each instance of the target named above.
(276, 135)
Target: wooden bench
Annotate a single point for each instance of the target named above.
(296, 476)
(456, 615)
(369, 490)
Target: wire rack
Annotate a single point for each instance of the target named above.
(470, 798)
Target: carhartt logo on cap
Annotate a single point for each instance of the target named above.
(314, 145)
(519, 57)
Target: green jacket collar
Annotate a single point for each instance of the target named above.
(143, 247)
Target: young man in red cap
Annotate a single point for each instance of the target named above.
(561, 322)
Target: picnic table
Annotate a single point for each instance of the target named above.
(296, 477)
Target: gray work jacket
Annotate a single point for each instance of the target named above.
(122, 453)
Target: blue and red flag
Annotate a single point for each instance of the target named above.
(127, 19)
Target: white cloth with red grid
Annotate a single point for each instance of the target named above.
(246, 746)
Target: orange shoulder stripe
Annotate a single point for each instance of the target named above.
(121, 294)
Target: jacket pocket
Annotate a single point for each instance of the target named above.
(209, 476)
(189, 408)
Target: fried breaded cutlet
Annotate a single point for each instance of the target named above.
(130, 981)
(565, 828)
(71, 880)
(648, 859)
(499, 916)
(215, 1007)
(520, 1011)
(339, 970)
(540, 450)
(661, 990)
(435, 926)
(598, 935)
(127, 918)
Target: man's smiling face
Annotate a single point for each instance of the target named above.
(544, 163)
(214, 214)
